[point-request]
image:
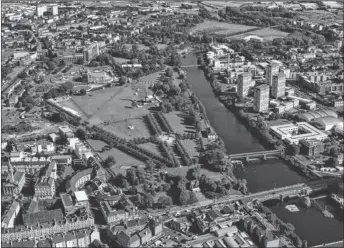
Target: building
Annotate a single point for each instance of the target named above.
(78, 180)
(145, 235)
(261, 98)
(293, 133)
(226, 231)
(156, 226)
(101, 77)
(67, 203)
(7, 220)
(180, 224)
(112, 215)
(42, 224)
(326, 123)
(66, 132)
(271, 70)
(62, 159)
(311, 115)
(41, 217)
(244, 84)
(127, 240)
(81, 199)
(311, 148)
(45, 188)
(40, 10)
(90, 52)
(275, 242)
(14, 182)
(278, 85)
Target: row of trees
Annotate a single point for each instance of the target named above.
(164, 123)
(166, 149)
(153, 124)
(186, 159)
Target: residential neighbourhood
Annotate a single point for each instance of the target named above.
(172, 123)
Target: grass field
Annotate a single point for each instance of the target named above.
(151, 147)
(151, 77)
(191, 147)
(123, 160)
(265, 33)
(219, 28)
(121, 128)
(109, 104)
(177, 121)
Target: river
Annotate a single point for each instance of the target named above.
(260, 175)
(310, 223)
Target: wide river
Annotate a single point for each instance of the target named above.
(260, 175)
(310, 224)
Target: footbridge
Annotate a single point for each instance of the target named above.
(251, 155)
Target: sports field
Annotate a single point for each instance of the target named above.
(219, 28)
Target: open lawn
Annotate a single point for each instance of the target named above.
(123, 160)
(265, 33)
(151, 77)
(191, 147)
(220, 28)
(177, 121)
(109, 104)
(151, 147)
(121, 128)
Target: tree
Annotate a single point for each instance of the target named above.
(165, 200)
(295, 149)
(184, 197)
(28, 107)
(148, 201)
(167, 187)
(81, 133)
(83, 92)
(131, 176)
(169, 72)
(150, 164)
(334, 152)
(110, 160)
(123, 80)
(193, 198)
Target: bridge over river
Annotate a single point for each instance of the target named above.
(251, 155)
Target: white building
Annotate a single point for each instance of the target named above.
(292, 133)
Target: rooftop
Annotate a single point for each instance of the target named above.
(81, 196)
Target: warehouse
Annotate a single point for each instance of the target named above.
(326, 123)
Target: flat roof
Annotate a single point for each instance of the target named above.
(81, 195)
